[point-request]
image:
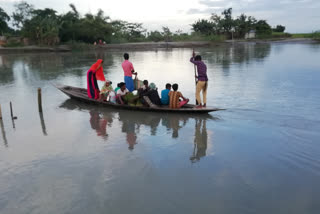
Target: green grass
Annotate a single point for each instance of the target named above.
(314, 35)
(301, 35)
(79, 46)
(13, 44)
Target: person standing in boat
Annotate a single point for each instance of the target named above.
(202, 83)
(128, 71)
(95, 73)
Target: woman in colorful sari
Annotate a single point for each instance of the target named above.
(95, 73)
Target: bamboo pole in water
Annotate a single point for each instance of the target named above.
(11, 110)
(43, 125)
(0, 113)
(39, 100)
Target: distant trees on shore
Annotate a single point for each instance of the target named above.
(228, 26)
(46, 27)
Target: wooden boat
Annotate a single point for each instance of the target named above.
(80, 94)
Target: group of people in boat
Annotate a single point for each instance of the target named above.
(147, 94)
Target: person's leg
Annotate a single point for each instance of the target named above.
(129, 83)
(119, 99)
(102, 97)
(204, 93)
(198, 89)
(183, 102)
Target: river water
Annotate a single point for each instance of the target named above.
(261, 155)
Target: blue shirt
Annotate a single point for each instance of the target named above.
(165, 97)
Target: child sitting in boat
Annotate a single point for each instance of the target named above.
(165, 94)
(174, 98)
(105, 91)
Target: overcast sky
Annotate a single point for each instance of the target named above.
(297, 15)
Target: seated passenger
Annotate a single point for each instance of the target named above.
(118, 87)
(124, 96)
(165, 94)
(144, 89)
(154, 95)
(105, 91)
(121, 93)
(174, 96)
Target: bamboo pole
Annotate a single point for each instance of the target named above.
(195, 78)
(39, 100)
(43, 125)
(11, 110)
(0, 113)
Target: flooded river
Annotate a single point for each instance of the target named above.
(261, 155)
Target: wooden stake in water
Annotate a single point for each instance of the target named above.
(0, 113)
(11, 110)
(39, 100)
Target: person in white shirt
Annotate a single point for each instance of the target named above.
(121, 93)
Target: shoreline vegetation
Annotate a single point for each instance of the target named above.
(148, 45)
(44, 30)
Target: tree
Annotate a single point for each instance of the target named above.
(167, 34)
(94, 27)
(23, 13)
(227, 21)
(69, 25)
(263, 28)
(4, 18)
(203, 26)
(243, 24)
(279, 29)
(43, 27)
(128, 31)
(155, 36)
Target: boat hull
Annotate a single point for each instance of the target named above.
(80, 94)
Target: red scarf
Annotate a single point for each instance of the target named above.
(99, 72)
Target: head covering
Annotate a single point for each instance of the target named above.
(99, 72)
(152, 86)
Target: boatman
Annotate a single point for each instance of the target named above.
(202, 83)
(128, 71)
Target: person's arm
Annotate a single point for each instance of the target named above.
(192, 58)
(193, 61)
(132, 70)
(183, 97)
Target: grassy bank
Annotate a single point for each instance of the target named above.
(314, 35)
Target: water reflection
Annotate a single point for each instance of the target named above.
(236, 53)
(43, 125)
(4, 137)
(200, 140)
(99, 122)
(133, 122)
(173, 123)
(50, 66)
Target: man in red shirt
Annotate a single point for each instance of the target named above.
(128, 71)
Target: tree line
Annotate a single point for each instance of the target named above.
(46, 27)
(228, 26)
